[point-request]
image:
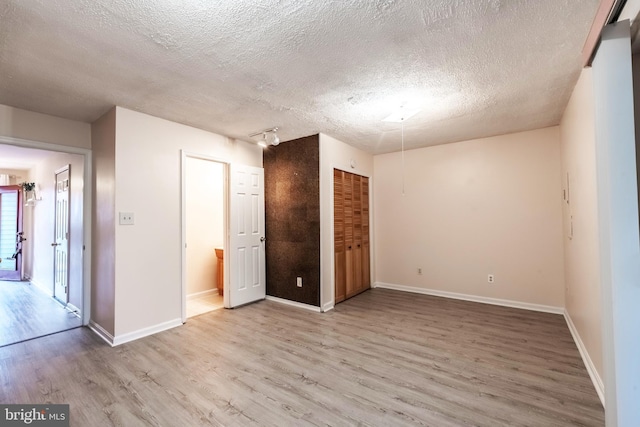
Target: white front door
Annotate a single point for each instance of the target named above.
(61, 236)
(247, 275)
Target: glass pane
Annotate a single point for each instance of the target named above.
(8, 229)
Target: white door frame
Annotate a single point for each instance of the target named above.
(87, 201)
(183, 218)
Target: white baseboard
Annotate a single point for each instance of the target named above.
(73, 309)
(101, 332)
(588, 363)
(202, 294)
(144, 332)
(328, 306)
(294, 303)
(44, 289)
(131, 336)
(473, 298)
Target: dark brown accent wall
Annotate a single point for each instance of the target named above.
(292, 204)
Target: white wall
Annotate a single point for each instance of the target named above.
(335, 154)
(473, 208)
(148, 254)
(23, 124)
(103, 135)
(583, 300)
(205, 223)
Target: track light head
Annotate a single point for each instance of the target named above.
(269, 137)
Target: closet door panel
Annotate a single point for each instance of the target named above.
(348, 231)
(356, 181)
(366, 252)
(339, 236)
(351, 234)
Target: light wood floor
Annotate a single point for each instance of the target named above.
(382, 358)
(27, 312)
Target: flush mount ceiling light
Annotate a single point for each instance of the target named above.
(269, 137)
(402, 114)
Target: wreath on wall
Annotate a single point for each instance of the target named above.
(28, 186)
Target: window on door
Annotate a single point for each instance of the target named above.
(8, 229)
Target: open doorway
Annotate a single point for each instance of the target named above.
(28, 306)
(204, 207)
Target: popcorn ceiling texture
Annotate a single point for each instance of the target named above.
(475, 67)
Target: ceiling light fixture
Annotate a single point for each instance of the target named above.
(269, 137)
(400, 116)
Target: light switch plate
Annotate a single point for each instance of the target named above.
(126, 218)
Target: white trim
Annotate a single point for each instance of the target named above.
(145, 332)
(101, 332)
(328, 306)
(41, 288)
(87, 198)
(293, 303)
(74, 310)
(473, 298)
(203, 294)
(588, 363)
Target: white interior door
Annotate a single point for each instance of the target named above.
(61, 234)
(247, 276)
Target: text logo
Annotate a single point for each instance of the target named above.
(34, 415)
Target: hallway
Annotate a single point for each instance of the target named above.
(26, 312)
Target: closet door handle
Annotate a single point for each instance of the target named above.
(349, 247)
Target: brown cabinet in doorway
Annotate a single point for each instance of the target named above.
(351, 234)
(220, 278)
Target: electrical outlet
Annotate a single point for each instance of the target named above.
(490, 278)
(419, 270)
(299, 282)
(126, 218)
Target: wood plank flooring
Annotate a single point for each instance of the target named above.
(27, 312)
(381, 358)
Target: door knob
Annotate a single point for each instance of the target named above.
(55, 244)
(262, 239)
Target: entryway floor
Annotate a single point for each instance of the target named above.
(27, 312)
(198, 306)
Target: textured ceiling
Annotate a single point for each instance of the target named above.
(20, 158)
(475, 67)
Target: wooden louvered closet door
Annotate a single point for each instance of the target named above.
(351, 234)
(338, 232)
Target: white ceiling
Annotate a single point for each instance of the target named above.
(475, 67)
(20, 158)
